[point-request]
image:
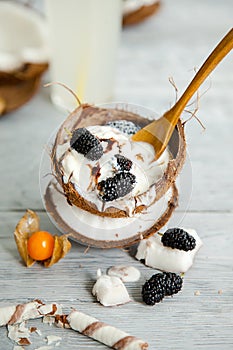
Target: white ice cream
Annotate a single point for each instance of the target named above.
(81, 171)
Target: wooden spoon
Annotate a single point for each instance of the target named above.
(159, 132)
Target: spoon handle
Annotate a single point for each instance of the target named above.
(221, 50)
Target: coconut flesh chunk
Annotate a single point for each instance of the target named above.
(156, 255)
(23, 37)
(110, 290)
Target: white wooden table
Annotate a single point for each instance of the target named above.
(170, 44)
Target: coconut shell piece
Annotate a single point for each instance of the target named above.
(29, 224)
(2, 105)
(141, 14)
(18, 87)
(24, 54)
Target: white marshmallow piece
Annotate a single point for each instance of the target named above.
(110, 290)
(163, 258)
(125, 273)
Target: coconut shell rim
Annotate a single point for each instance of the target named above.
(21, 84)
(141, 14)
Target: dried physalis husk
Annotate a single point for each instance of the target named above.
(28, 225)
(61, 247)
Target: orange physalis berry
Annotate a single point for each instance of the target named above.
(40, 245)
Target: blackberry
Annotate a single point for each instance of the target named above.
(152, 294)
(172, 283)
(179, 239)
(124, 126)
(117, 186)
(161, 285)
(87, 144)
(124, 163)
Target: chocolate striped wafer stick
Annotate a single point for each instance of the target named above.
(102, 332)
(18, 313)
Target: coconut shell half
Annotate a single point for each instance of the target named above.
(24, 54)
(140, 14)
(17, 88)
(88, 115)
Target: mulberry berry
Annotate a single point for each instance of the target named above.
(179, 239)
(152, 294)
(172, 283)
(161, 285)
(117, 186)
(86, 143)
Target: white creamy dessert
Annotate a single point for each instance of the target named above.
(86, 174)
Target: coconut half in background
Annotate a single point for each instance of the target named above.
(136, 11)
(23, 54)
(114, 228)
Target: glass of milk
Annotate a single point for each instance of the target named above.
(83, 37)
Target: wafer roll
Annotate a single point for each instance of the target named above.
(102, 332)
(18, 313)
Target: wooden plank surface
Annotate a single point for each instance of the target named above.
(170, 44)
(183, 321)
